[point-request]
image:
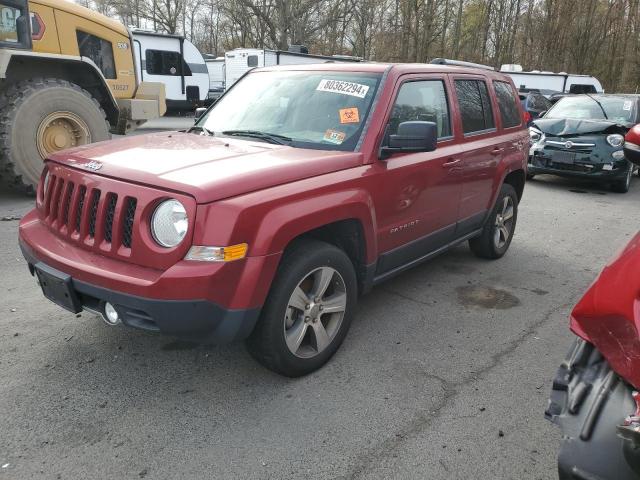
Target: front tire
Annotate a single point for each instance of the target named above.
(623, 185)
(39, 117)
(498, 230)
(308, 311)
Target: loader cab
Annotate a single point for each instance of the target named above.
(15, 31)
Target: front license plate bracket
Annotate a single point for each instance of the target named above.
(57, 287)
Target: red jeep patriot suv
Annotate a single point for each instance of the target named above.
(301, 188)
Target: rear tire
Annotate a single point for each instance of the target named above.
(498, 230)
(293, 336)
(41, 116)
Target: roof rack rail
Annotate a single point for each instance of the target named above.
(459, 63)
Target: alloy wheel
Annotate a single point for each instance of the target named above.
(315, 312)
(504, 223)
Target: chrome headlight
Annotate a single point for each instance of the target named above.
(535, 135)
(169, 223)
(615, 140)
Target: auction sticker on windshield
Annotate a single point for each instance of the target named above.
(334, 136)
(344, 88)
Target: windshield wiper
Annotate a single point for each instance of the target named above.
(199, 128)
(599, 104)
(269, 137)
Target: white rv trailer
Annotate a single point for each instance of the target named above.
(174, 61)
(241, 60)
(216, 68)
(560, 82)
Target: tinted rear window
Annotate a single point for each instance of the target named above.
(475, 106)
(507, 104)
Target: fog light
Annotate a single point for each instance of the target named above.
(110, 314)
(618, 155)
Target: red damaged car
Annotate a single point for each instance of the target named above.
(595, 396)
(299, 189)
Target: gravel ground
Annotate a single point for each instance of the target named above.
(444, 374)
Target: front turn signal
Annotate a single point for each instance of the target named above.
(217, 254)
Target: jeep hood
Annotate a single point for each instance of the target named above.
(559, 127)
(608, 316)
(207, 168)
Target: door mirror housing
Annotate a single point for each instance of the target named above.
(199, 112)
(412, 137)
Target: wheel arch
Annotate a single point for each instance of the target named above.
(516, 178)
(80, 71)
(349, 225)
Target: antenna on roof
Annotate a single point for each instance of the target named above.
(459, 63)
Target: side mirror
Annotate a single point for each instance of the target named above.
(413, 136)
(632, 145)
(199, 112)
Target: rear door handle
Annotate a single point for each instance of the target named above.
(451, 162)
(497, 151)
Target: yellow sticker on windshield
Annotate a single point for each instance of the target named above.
(334, 136)
(349, 115)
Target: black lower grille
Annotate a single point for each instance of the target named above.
(130, 213)
(93, 212)
(112, 199)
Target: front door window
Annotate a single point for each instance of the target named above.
(14, 24)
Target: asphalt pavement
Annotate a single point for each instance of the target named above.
(445, 372)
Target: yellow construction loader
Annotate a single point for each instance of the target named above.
(67, 78)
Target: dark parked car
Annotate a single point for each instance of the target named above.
(583, 136)
(534, 104)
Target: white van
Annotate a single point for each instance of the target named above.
(241, 60)
(176, 62)
(559, 82)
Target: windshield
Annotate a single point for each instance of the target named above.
(322, 110)
(585, 107)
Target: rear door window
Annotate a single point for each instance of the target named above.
(424, 100)
(100, 51)
(507, 104)
(475, 106)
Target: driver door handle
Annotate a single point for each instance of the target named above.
(497, 151)
(451, 162)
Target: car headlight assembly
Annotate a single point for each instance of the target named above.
(535, 135)
(615, 140)
(169, 223)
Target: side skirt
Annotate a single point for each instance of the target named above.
(376, 279)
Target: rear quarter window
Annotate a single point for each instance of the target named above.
(475, 105)
(507, 104)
